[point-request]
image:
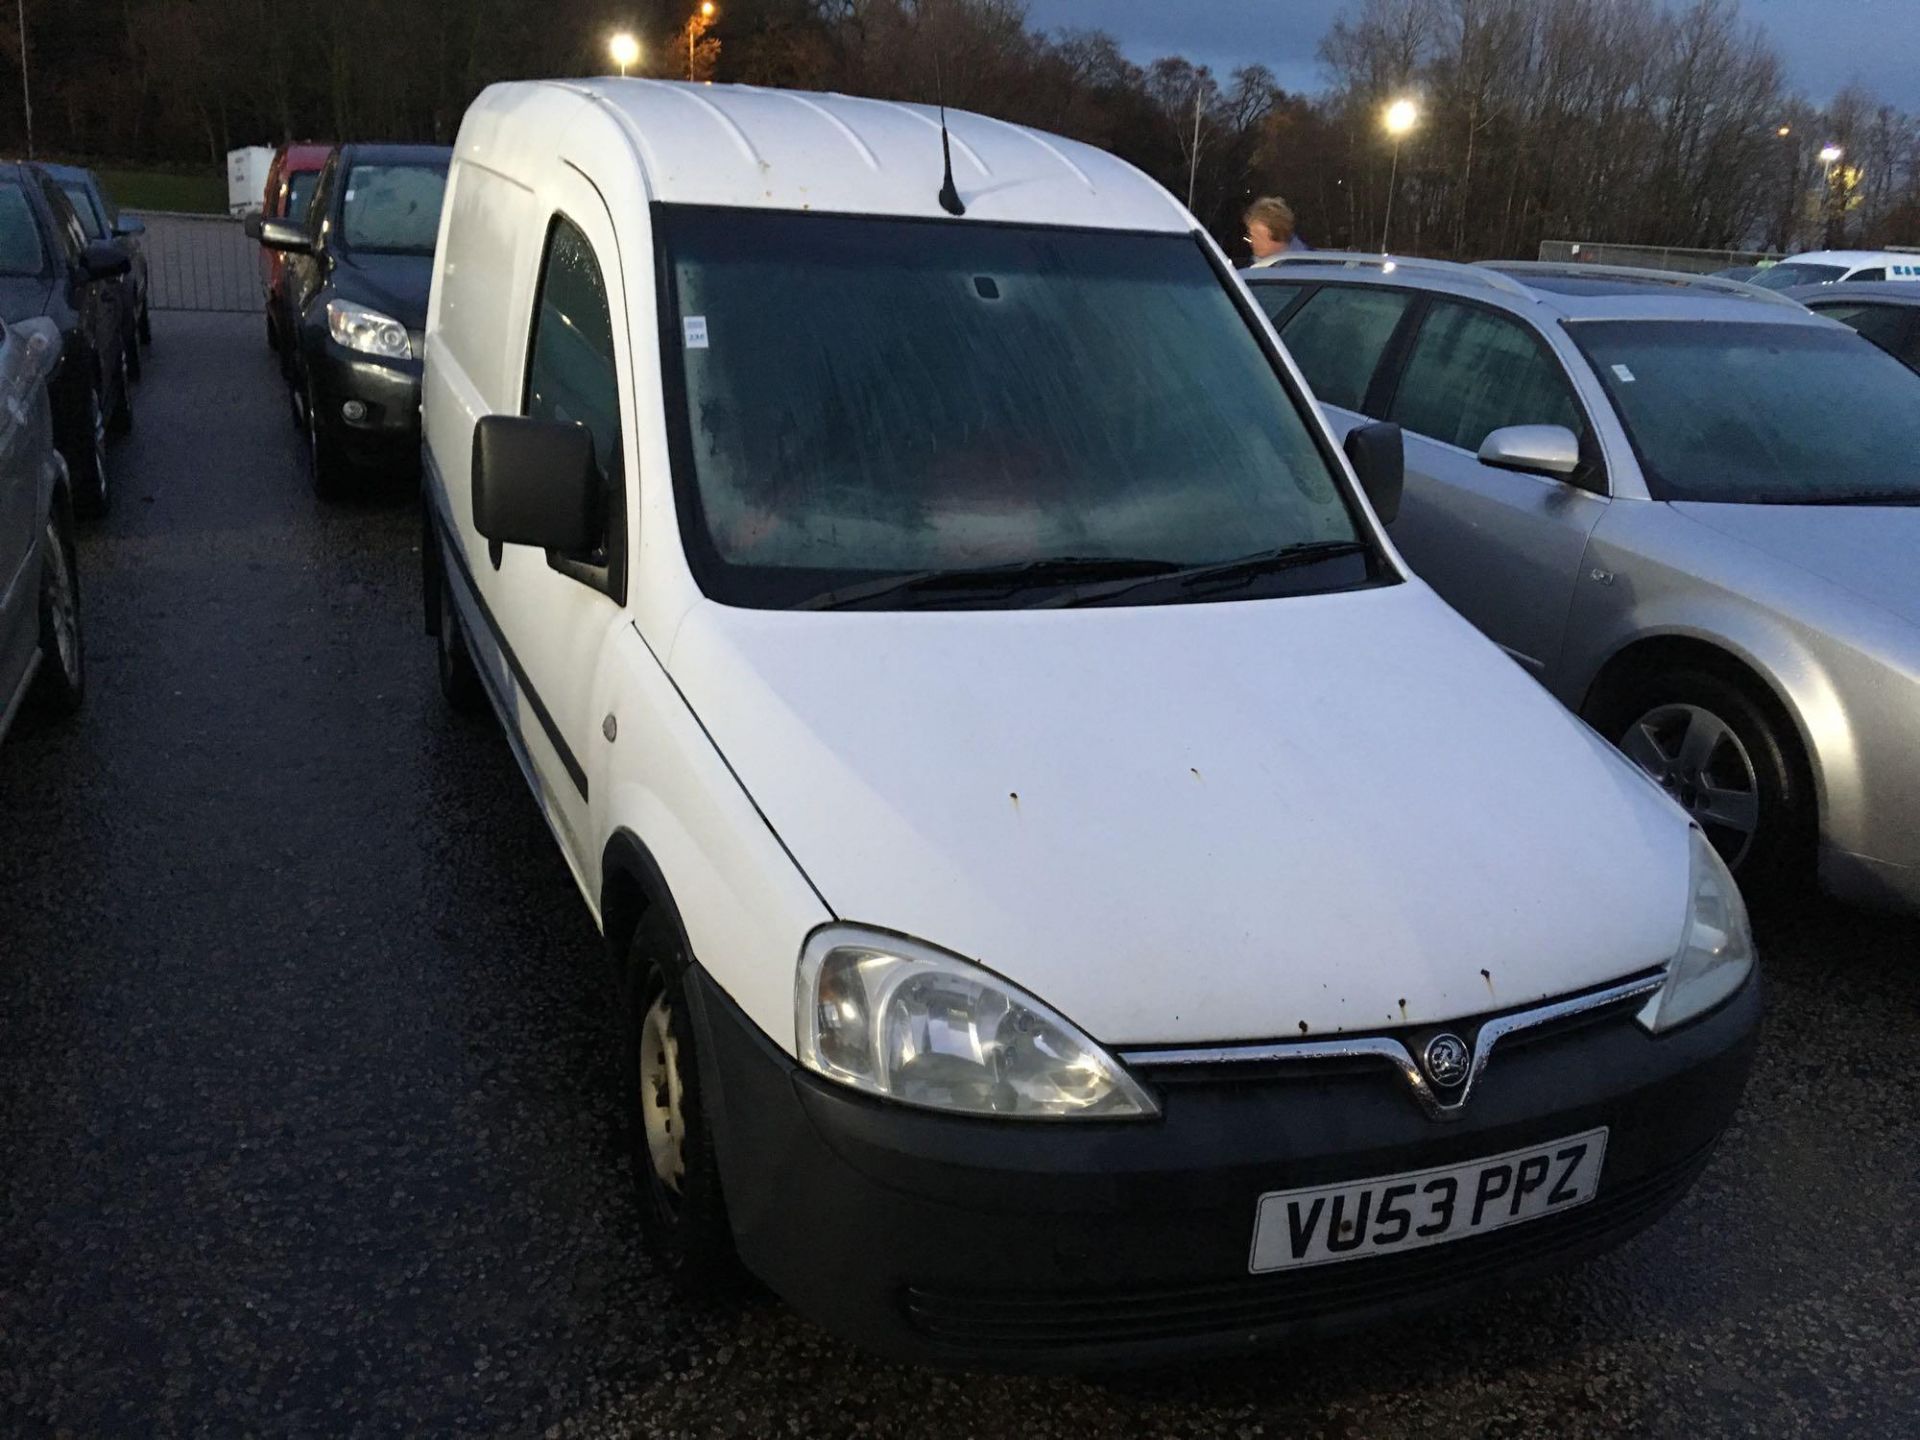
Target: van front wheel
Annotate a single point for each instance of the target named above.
(674, 1165)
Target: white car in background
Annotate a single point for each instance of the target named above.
(1832, 267)
(1076, 897)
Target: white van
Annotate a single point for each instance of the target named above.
(1076, 897)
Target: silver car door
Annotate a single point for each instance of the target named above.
(1502, 547)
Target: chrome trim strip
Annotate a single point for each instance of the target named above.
(1394, 1053)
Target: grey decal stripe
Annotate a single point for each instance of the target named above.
(444, 527)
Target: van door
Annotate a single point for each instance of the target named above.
(557, 614)
(1502, 548)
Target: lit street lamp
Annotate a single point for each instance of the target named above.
(696, 23)
(1401, 117)
(624, 49)
(1836, 205)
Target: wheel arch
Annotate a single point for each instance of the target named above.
(632, 886)
(1646, 654)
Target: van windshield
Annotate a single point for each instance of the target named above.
(868, 399)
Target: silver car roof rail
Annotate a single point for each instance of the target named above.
(1453, 269)
(1574, 270)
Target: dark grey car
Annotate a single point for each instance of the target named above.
(1689, 506)
(1887, 312)
(39, 584)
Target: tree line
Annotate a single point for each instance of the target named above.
(1601, 120)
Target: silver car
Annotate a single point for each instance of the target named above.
(1691, 508)
(39, 585)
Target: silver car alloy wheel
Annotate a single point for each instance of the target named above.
(1696, 758)
(63, 603)
(661, 1095)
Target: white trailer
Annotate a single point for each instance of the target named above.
(247, 178)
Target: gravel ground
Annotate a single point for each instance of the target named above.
(306, 1072)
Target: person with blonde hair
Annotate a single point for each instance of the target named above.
(1270, 232)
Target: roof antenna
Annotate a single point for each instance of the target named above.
(949, 197)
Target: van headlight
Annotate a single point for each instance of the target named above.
(1716, 946)
(903, 1020)
(368, 331)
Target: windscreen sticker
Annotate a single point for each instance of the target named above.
(349, 195)
(1626, 375)
(695, 328)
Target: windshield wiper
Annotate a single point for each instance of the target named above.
(1011, 576)
(1242, 568)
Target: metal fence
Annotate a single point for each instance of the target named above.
(1653, 257)
(200, 262)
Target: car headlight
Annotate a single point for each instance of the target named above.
(1716, 946)
(368, 331)
(896, 1018)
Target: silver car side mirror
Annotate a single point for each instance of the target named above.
(1536, 449)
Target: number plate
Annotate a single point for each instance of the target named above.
(1384, 1216)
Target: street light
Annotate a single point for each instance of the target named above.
(624, 49)
(1401, 117)
(695, 24)
(1829, 157)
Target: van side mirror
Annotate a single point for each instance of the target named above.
(129, 226)
(103, 260)
(250, 224)
(1379, 458)
(535, 483)
(1533, 449)
(286, 235)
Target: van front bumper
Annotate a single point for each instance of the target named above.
(1076, 1244)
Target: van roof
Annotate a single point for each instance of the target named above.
(745, 146)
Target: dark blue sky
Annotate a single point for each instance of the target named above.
(1824, 43)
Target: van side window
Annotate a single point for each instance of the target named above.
(1472, 372)
(571, 377)
(1338, 336)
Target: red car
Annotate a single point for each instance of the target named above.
(290, 184)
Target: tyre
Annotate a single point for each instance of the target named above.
(1719, 750)
(86, 455)
(61, 683)
(459, 680)
(132, 347)
(146, 323)
(674, 1165)
(327, 468)
(120, 419)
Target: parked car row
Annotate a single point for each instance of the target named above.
(1077, 895)
(347, 237)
